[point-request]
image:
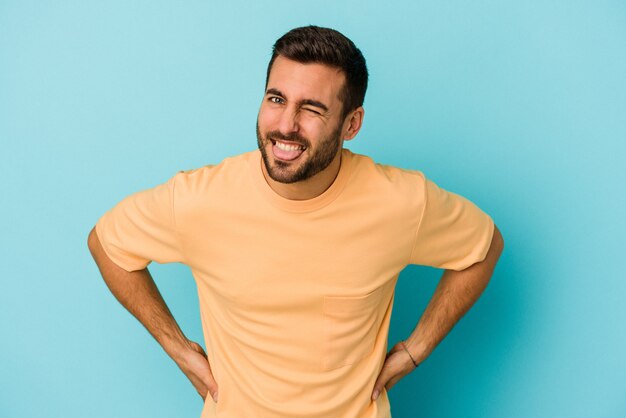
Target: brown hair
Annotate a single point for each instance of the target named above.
(310, 44)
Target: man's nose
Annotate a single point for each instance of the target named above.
(288, 122)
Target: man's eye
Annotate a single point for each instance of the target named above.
(313, 111)
(275, 99)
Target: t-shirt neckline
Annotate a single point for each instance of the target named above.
(307, 205)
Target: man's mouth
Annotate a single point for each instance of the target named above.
(286, 151)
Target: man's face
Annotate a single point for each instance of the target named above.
(300, 109)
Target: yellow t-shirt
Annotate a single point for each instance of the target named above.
(296, 296)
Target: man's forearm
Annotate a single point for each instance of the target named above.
(454, 296)
(138, 293)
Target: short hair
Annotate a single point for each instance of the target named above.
(314, 44)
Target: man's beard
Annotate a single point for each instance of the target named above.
(321, 158)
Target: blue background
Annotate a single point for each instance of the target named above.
(519, 106)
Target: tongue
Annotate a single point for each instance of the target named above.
(286, 155)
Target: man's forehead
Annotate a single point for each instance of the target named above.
(320, 81)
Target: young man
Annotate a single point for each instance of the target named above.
(296, 248)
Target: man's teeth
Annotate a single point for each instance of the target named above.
(288, 147)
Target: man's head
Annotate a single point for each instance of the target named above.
(314, 91)
(313, 44)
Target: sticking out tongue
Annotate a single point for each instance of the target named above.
(286, 155)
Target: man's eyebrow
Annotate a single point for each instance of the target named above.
(275, 92)
(309, 102)
(314, 103)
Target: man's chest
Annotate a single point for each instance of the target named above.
(257, 260)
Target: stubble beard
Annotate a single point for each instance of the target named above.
(321, 158)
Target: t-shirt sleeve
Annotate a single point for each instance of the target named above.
(453, 232)
(141, 228)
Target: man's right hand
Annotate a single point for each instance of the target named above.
(138, 293)
(195, 364)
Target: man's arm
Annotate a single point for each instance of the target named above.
(454, 296)
(138, 293)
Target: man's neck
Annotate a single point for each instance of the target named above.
(309, 188)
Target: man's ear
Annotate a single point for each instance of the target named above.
(353, 123)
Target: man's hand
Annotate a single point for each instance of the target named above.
(138, 293)
(397, 364)
(195, 365)
(455, 294)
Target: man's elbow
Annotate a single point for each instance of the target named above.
(495, 248)
(497, 240)
(92, 239)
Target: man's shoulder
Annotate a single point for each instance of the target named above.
(367, 168)
(233, 160)
(198, 177)
(400, 191)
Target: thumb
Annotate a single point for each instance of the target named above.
(208, 381)
(383, 377)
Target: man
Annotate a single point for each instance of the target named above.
(296, 248)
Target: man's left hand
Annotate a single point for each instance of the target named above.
(397, 364)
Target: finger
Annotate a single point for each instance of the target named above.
(383, 377)
(213, 390)
(199, 372)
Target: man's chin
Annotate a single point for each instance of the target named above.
(281, 175)
(283, 171)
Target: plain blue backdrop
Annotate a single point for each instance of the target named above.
(519, 106)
